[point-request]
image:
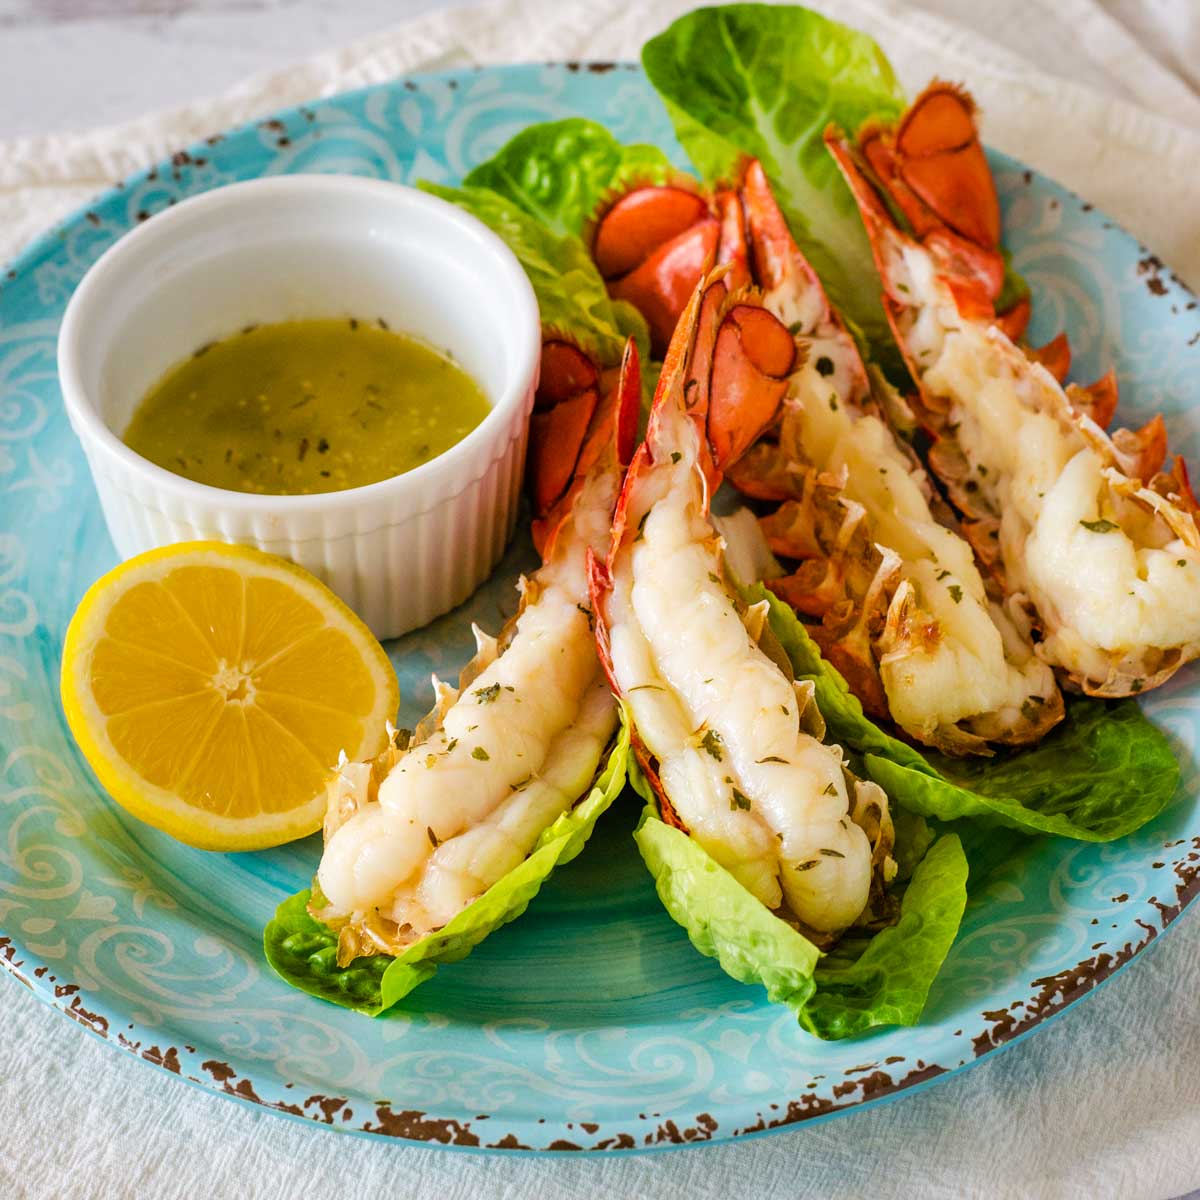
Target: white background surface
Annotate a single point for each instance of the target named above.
(1104, 1102)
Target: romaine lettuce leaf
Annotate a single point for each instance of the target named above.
(885, 979)
(561, 172)
(766, 80)
(880, 979)
(570, 293)
(304, 952)
(1099, 775)
(1104, 772)
(723, 920)
(914, 835)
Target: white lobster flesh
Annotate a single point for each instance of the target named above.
(955, 667)
(1112, 571)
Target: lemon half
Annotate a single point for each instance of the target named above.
(212, 687)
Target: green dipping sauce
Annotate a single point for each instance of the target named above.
(306, 406)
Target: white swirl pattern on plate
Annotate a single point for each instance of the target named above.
(591, 1020)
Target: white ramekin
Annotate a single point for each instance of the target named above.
(399, 552)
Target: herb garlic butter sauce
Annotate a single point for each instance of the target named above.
(306, 406)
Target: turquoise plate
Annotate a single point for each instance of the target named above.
(591, 1023)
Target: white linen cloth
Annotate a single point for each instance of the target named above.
(1104, 1102)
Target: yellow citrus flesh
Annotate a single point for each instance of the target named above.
(212, 687)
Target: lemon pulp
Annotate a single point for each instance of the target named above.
(212, 688)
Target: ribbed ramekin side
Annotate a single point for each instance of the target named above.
(397, 569)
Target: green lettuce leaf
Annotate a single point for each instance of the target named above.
(1099, 775)
(914, 836)
(1014, 286)
(1102, 773)
(570, 293)
(304, 952)
(882, 979)
(723, 920)
(766, 80)
(560, 172)
(885, 980)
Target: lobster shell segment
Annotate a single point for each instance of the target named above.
(932, 167)
(726, 370)
(652, 245)
(581, 415)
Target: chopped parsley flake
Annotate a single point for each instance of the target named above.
(830, 789)
(451, 744)
(942, 575)
(1100, 526)
(710, 743)
(955, 593)
(485, 695)
(740, 800)
(433, 837)
(675, 456)
(833, 853)
(481, 754)
(824, 365)
(772, 758)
